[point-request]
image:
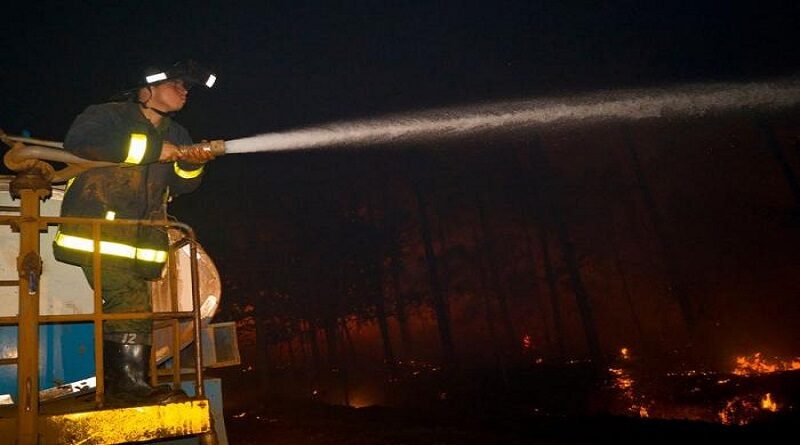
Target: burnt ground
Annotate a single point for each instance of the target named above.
(561, 405)
(292, 423)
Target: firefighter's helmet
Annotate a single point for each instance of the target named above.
(189, 71)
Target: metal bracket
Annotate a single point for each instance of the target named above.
(30, 268)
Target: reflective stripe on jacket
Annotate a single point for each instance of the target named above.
(119, 132)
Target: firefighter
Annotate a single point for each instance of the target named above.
(140, 134)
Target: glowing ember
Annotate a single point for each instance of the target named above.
(625, 384)
(623, 381)
(737, 411)
(756, 364)
(527, 343)
(624, 353)
(742, 410)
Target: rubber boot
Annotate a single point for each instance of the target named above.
(127, 376)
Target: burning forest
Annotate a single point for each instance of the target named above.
(644, 270)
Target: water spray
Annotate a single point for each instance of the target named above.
(636, 104)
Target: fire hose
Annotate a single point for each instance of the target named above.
(29, 153)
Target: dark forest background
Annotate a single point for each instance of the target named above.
(674, 238)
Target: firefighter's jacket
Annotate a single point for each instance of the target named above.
(139, 189)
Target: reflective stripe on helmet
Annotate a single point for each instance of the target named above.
(158, 77)
(187, 174)
(136, 148)
(109, 248)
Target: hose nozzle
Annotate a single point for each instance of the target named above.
(217, 147)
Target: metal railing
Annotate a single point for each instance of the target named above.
(29, 223)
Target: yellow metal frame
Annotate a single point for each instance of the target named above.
(95, 425)
(120, 425)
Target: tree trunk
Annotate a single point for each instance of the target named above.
(440, 305)
(510, 338)
(536, 191)
(315, 352)
(302, 337)
(555, 297)
(406, 341)
(345, 365)
(262, 356)
(290, 352)
(330, 329)
(675, 287)
(383, 325)
(771, 143)
(627, 292)
(489, 313)
(581, 295)
(536, 295)
(380, 298)
(570, 258)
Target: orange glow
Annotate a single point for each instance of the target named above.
(756, 364)
(740, 411)
(625, 353)
(527, 343)
(625, 384)
(737, 412)
(768, 404)
(361, 401)
(622, 381)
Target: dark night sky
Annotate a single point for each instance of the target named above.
(284, 65)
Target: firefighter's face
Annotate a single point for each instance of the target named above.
(169, 96)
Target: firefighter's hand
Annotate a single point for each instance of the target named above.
(169, 152)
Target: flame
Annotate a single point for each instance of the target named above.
(756, 364)
(624, 353)
(740, 410)
(768, 404)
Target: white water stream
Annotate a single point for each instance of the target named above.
(686, 100)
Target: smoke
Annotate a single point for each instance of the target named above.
(429, 125)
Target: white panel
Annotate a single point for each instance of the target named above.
(64, 289)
